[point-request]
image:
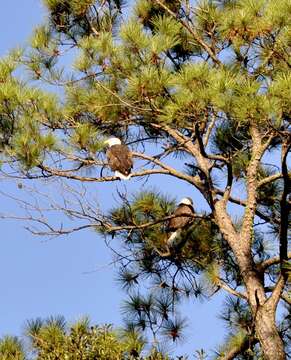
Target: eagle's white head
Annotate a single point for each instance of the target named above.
(112, 141)
(186, 201)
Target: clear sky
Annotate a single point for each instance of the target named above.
(42, 278)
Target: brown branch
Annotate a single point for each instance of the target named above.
(95, 223)
(269, 262)
(269, 179)
(194, 180)
(44, 223)
(187, 142)
(202, 148)
(59, 232)
(241, 202)
(165, 169)
(230, 290)
(277, 292)
(285, 207)
(124, 102)
(284, 296)
(111, 228)
(238, 349)
(251, 202)
(208, 132)
(66, 174)
(204, 163)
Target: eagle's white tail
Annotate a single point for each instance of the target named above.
(122, 176)
(173, 237)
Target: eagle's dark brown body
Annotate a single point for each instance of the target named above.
(180, 222)
(120, 159)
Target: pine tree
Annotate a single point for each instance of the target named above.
(55, 339)
(201, 93)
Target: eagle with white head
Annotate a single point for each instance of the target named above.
(119, 158)
(180, 222)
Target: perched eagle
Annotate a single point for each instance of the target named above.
(180, 222)
(119, 158)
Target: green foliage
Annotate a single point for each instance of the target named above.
(54, 338)
(153, 311)
(30, 145)
(41, 38)
(11, 349)
(85, 137)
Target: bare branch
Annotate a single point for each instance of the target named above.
(243, 203)
(285, 206)
(269, 262)
(285, 296)
(238, 349)
(209, 130)
(194, 180)
(230, 290)
(277, 292)
(269, 179)
(66, 174)
(251, 202)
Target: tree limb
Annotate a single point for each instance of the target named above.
(194, 180)
(272, 261)
(66, 174)
(277, 292)
(251, 202)
(230, 290)
(285, 206)
(269, 179)
(238, 349)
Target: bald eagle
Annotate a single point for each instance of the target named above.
(119, 158)
(180, 222)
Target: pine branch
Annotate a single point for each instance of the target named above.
(203, 44)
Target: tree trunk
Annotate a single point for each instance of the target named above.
(263, 310)
(267, 333)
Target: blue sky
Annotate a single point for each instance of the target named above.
(42, 278)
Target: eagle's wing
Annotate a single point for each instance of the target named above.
(120, 158)
(180, 221)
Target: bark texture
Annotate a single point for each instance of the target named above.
(263, 309)
(267, 333)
